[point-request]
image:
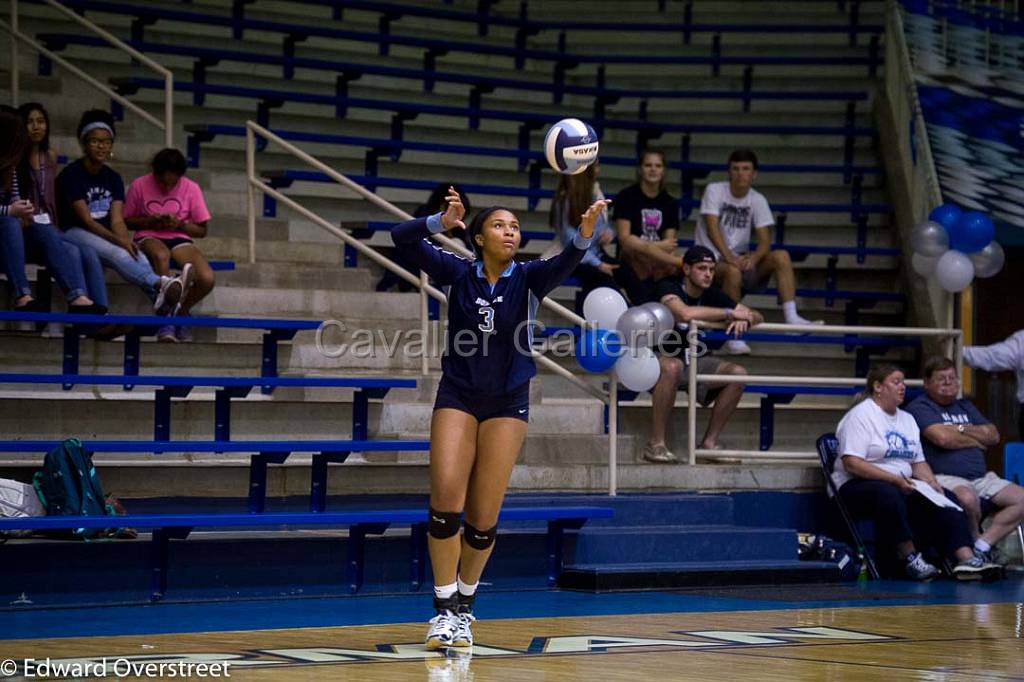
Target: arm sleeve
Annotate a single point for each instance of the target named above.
(116, 187)
(915, 437)
(763, 213)
(1005, 355)
(198, 212)
(133, 201)
(666, 287)
(411, 240)
(854, 438)
(544, 275)
(709, 201)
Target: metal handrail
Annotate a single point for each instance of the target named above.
(693, 334)
(256, 184)
(167, 125)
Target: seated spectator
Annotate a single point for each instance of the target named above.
(76, 269)
(955, 435)
(646, 222)
(168, 213)
(574, 195)
(436, 203)
(694, 297)
(879, 452)
(19, 226)
(90, 202)
(728, 210)
(1005, 356)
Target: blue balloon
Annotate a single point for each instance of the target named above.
(972, 232)
(598, 349)
(946, 215)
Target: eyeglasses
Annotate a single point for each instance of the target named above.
(94, 142)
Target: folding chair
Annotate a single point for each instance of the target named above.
(828, 449)
(1013, 470)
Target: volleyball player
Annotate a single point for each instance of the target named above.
(483, 399)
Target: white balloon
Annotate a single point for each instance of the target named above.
(603, 307)
(638, 369)
(989, 260)
(924, 265)
(929, 239)
(954, 271)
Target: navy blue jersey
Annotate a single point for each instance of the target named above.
(489, 326)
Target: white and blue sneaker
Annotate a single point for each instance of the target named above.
(444, 625)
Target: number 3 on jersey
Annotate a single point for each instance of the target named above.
(487, 326)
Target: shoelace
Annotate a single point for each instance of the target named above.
(443, 620)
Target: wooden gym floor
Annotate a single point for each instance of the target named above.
(884, 630)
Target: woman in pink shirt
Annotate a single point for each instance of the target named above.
(167, 212)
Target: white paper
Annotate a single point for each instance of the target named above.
(936, 498)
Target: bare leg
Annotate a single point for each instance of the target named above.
(730, 279)
(1011, 501)
(972, 507)
(497, 448)
(725, 405)
(453, 436)
(158, 254)
(663, 397)
(204, 280)
(778, 263)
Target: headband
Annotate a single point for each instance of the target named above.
(95, 125)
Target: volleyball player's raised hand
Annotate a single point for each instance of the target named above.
(453, 216)
(588, 219)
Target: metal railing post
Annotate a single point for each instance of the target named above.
(691, 392)
(250, 172)
(169, 110)
(15, 80)
(424, 323)
(613, 433)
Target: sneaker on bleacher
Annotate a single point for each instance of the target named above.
(976, 568)
(166, 334)
(659, 454)
(736, 347)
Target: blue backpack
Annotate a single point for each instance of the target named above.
(68, 485)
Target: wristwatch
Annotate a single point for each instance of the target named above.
(960, 428)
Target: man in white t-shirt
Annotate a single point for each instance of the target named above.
(728, 213)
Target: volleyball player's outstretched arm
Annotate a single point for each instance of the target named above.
(412, 239)
(544, 275)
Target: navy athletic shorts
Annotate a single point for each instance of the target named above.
(515, 404)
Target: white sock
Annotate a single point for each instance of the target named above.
(979, 545)
(465, 589)
(446, 591)
(789, 312)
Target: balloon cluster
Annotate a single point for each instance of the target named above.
(954, 247)
(621, 337)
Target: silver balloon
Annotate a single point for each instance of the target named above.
(954, 271)
(666, 320)
(929, 239)
(989, 260)
(639, 327)
(924, 265)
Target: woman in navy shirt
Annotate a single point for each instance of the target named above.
(483, 400)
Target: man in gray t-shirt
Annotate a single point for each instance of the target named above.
(954, 435)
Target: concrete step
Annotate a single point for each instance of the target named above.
(668, 575)
(207, 478)
(681, 543)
